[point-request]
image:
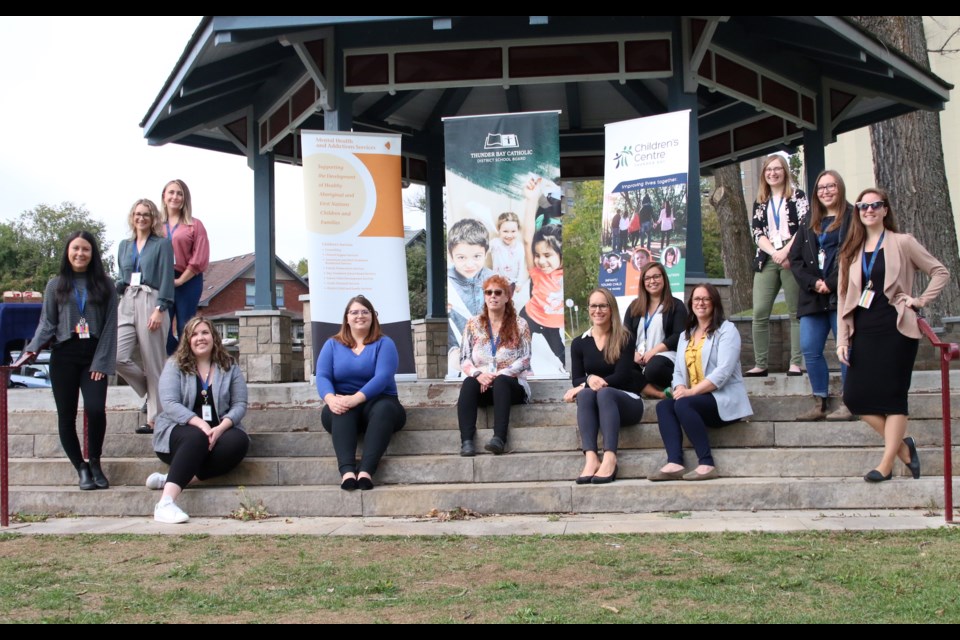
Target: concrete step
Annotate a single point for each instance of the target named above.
(626, 496)
(519, 467)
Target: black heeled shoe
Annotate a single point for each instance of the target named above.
(875, 476)
(99, 478)
(584, 479)
(86, 478)
(605, 479)
(365, 484)
(349, 484)
(914, 464)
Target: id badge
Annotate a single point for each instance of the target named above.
(777, 242)
(207, 413)
(135, 279)
(82, 329)
(866, 298)
(821, 259)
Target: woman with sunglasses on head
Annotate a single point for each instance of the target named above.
(815, 260)
(356, 373)
(145, 261)
(878, 332)
(656, 319)
(495, 360)
(606, 387)
(708, 389)
(780, 210)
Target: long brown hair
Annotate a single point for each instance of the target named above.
(857, 235)
(718, 315)
(509, 330)
(619, 334)
(818, 212)
(763, 193)
(639, 305)
(183, 356)
(345, 337)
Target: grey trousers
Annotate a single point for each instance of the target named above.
(134, 339)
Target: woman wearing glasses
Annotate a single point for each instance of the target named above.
(355, 378)
(606, 387)
(495, 360)
(879, 335)
(780, 210)
(146, 289)
(708, 389)
(655, 318)
(814, 260)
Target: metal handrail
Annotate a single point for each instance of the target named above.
(948, 351)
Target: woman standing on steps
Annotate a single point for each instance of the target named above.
(79, 316)
(606, 387)
(879, 336)
(199, 434)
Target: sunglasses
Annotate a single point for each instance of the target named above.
(493, 292)
(863, 206)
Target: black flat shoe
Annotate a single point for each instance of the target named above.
(876, 476)
(584, 479)
(99, 478)
(350, 484)
(364, 484)
(794, 374)
(496, 445)
(144, 429)
(468, 449)
(86, 478)
(914, 464)
(756, 374)
(605, 479)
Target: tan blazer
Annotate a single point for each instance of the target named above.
(902, 255)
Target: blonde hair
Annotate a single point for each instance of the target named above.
(186, 211)
(155, 228)
(763, 193)
(619, 335)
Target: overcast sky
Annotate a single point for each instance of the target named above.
(74, 91)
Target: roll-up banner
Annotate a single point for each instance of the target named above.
(504, 216)
(354, 214)
(645, 202)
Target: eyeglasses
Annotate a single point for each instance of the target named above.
(823, 188)
(599, 307)
(702, 300)
(143, 215)
(863, 206)
(651, 278)
(493, 292)
(773, 170)
(358, 312)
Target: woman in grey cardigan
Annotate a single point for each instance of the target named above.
(708, 389)
(199, 433)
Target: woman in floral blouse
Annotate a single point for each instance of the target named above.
(495, 360)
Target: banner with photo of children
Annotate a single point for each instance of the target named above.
(645, 202)
(504, 217)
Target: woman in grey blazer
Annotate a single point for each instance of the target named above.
(199, 433)
(708, 389)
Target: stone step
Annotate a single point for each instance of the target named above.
(520, 467)
(628, 496)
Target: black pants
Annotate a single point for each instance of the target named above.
(605, 411)
(658, 372)
(505, 391)
(691, 415)
(69, 377)
(191, 457)
(377, 419)
(552, 335)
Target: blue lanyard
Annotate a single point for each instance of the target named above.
(494, 341)
(205, 384)
(81, 300)
(867, 270)
(776, 212)
(170, 233)
(822, 236)
(649, 318)
(136, 256)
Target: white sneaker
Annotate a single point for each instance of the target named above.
(169, 513)
(156, 481)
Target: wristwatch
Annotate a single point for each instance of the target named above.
(161, 308)
(476, 373)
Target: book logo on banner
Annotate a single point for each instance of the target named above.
(501, 141)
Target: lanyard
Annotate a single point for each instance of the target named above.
(494, 341)
(170, 233)
(136, 256)
(81, 300)
(776, 212)
(867, 270)
(205, 384)
(647, 319)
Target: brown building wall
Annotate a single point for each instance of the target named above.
(234, 296)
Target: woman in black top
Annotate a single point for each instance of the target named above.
(605, 386)
(80, 317)
(655, 319)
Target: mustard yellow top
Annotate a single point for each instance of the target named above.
(694, 361)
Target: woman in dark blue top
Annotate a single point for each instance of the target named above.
(355, 378)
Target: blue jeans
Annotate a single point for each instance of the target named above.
(186, 297)
(814, 329)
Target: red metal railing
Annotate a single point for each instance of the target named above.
(948, 351)
(4, 460)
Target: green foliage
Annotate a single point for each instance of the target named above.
(710, 226)
(31, 245)
(300, 266)
(581, 244)
(417, 278)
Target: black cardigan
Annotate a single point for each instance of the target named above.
(587, 360)
(674, 322)
(805, 267)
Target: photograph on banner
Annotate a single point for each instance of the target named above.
(644, 215)
(504, 217)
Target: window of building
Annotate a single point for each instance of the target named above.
(251, 294)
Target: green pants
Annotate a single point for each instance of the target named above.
(766, 285)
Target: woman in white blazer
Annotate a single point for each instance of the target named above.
(708, 389)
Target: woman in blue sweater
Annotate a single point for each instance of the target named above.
(355, 378)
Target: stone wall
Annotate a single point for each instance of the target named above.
(266, 346)
(430, 347)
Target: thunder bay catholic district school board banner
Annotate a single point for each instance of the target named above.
(504, 217)
(645, 202)
(354, 213)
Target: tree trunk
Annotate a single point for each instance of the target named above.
(908, 163)
(736, 239)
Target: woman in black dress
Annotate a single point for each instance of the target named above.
(878, 332)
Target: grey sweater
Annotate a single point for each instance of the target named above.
(57, 322)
